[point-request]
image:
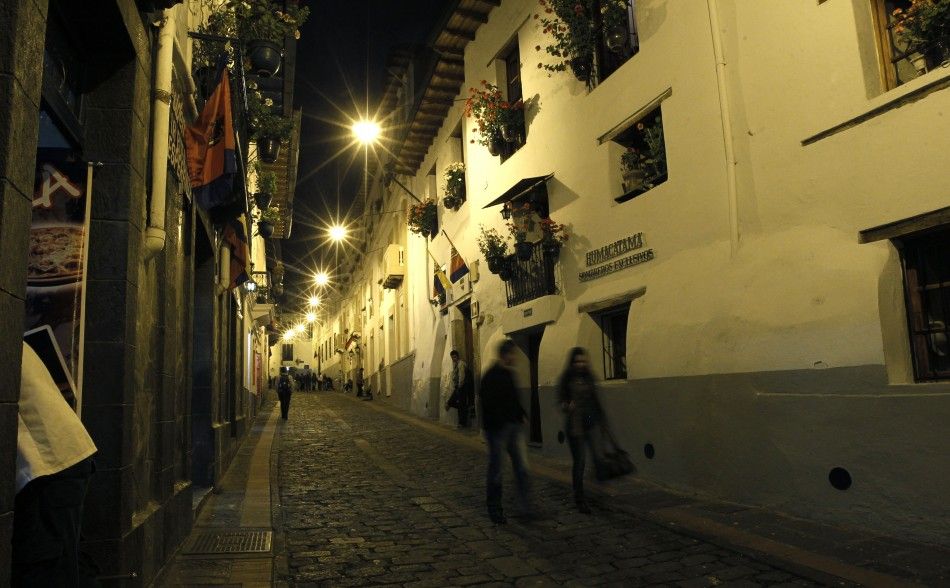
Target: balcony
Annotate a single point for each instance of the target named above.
(531, 278)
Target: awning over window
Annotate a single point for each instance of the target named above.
(519, 190)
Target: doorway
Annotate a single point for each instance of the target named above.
(202, 435)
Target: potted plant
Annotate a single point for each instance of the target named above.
(925, 28)
(493, 247)
(645, 167)
(491, 111)
(574, 27)
(268, 128)
(554, 235)
(267, 221)
(454, 177)
(423, 218)
(450, 202)
(506, 269)
(521, 223)
(263, 25)
(266, 185)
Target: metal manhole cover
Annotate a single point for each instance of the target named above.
(231, 542)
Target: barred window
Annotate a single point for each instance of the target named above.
(613, 327)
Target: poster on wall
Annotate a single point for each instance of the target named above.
(56, 267)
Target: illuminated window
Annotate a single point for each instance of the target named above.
(906, 50)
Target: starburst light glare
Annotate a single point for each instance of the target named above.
(366, 131)
(314, 301)
(337, 233)
(299, 328)
(288, 335)
(321, 279)
(311, 317)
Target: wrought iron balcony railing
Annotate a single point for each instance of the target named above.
(531, 278)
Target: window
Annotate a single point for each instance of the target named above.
(926, 264)
(643, 160)
(903, 58)
(514, 137)
(287, 352)
(613, 327)
(618, 40)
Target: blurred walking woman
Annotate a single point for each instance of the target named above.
(582, 410)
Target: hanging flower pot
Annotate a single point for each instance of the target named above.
(450, 202)
(265, 229)
(582, 67)
(268, 149)
(505, 273)
(265, 57)
(523, 250)
(632, 179)
(510, 133)
(262, 199)
(616, 38)
(550, 248)
(495, 145)
(495, 264)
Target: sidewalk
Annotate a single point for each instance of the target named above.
(233, 541)
(824, 553)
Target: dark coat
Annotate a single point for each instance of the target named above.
(499, 396)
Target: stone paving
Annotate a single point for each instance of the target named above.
(369, 499)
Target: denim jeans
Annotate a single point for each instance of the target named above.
(507, 438)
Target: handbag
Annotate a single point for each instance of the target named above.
(453, 401)
(614, 462)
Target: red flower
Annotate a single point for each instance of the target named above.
(578, 9)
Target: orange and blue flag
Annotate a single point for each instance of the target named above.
(235, 235)
(210, 148)
(457, 266)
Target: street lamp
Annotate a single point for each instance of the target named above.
(314, 301)
(337, 233)
(321, 279)
(366, 131)
(311, 316)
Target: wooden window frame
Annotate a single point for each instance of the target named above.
(610, 338)
(510, 57)
(606, 61)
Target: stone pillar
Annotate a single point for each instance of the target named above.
(23, 23)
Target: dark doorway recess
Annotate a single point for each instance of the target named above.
(202, 436)
(534, 347)
(649, 451)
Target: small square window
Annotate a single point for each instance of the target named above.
(643, 160)
(613, 328)
(617, 41)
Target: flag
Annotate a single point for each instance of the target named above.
(235, 235)
(457, 266)
(210, 148)
(440, 283)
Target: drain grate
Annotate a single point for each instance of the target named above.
(231, 542)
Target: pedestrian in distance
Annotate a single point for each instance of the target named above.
(503, 420)
(284, 391)
(360, 382)
(53, 467)
(462, 390)
(313, 381)
(583, 414)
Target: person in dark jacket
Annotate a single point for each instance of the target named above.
(462, 390)
(284, 390)
(503, 419)
(578, 396)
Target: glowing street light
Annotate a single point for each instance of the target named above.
(321, 279)
(300, 328)
(366, 131)
(314, 301)
(288, 335)
(311, 316)
(337, 233)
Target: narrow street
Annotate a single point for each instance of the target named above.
(368, 498)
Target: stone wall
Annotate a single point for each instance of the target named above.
(21, 48)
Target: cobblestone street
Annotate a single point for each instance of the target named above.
(370, 499)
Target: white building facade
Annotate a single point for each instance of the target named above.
(767, 322)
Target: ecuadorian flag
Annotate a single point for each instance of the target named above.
(457, 266)
(210, 148)
(440, 283)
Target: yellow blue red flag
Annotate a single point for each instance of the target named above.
(210, 148)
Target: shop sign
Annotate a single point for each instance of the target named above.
(610, 252)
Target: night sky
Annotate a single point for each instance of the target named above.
(340, 74)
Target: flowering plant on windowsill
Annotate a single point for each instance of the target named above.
(491, 111)
(454, 177)
(521, 222)
(642, 168)
(925, 27)
(571, 25)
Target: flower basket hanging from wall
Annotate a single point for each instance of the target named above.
(493, 247)
(268, 149)
(423, 218)
(265, 229)
(524, 250)
(263, 25)
(265, 57)
(455, 181)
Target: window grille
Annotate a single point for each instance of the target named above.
(613, 328)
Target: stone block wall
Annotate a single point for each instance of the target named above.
(21, 48)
